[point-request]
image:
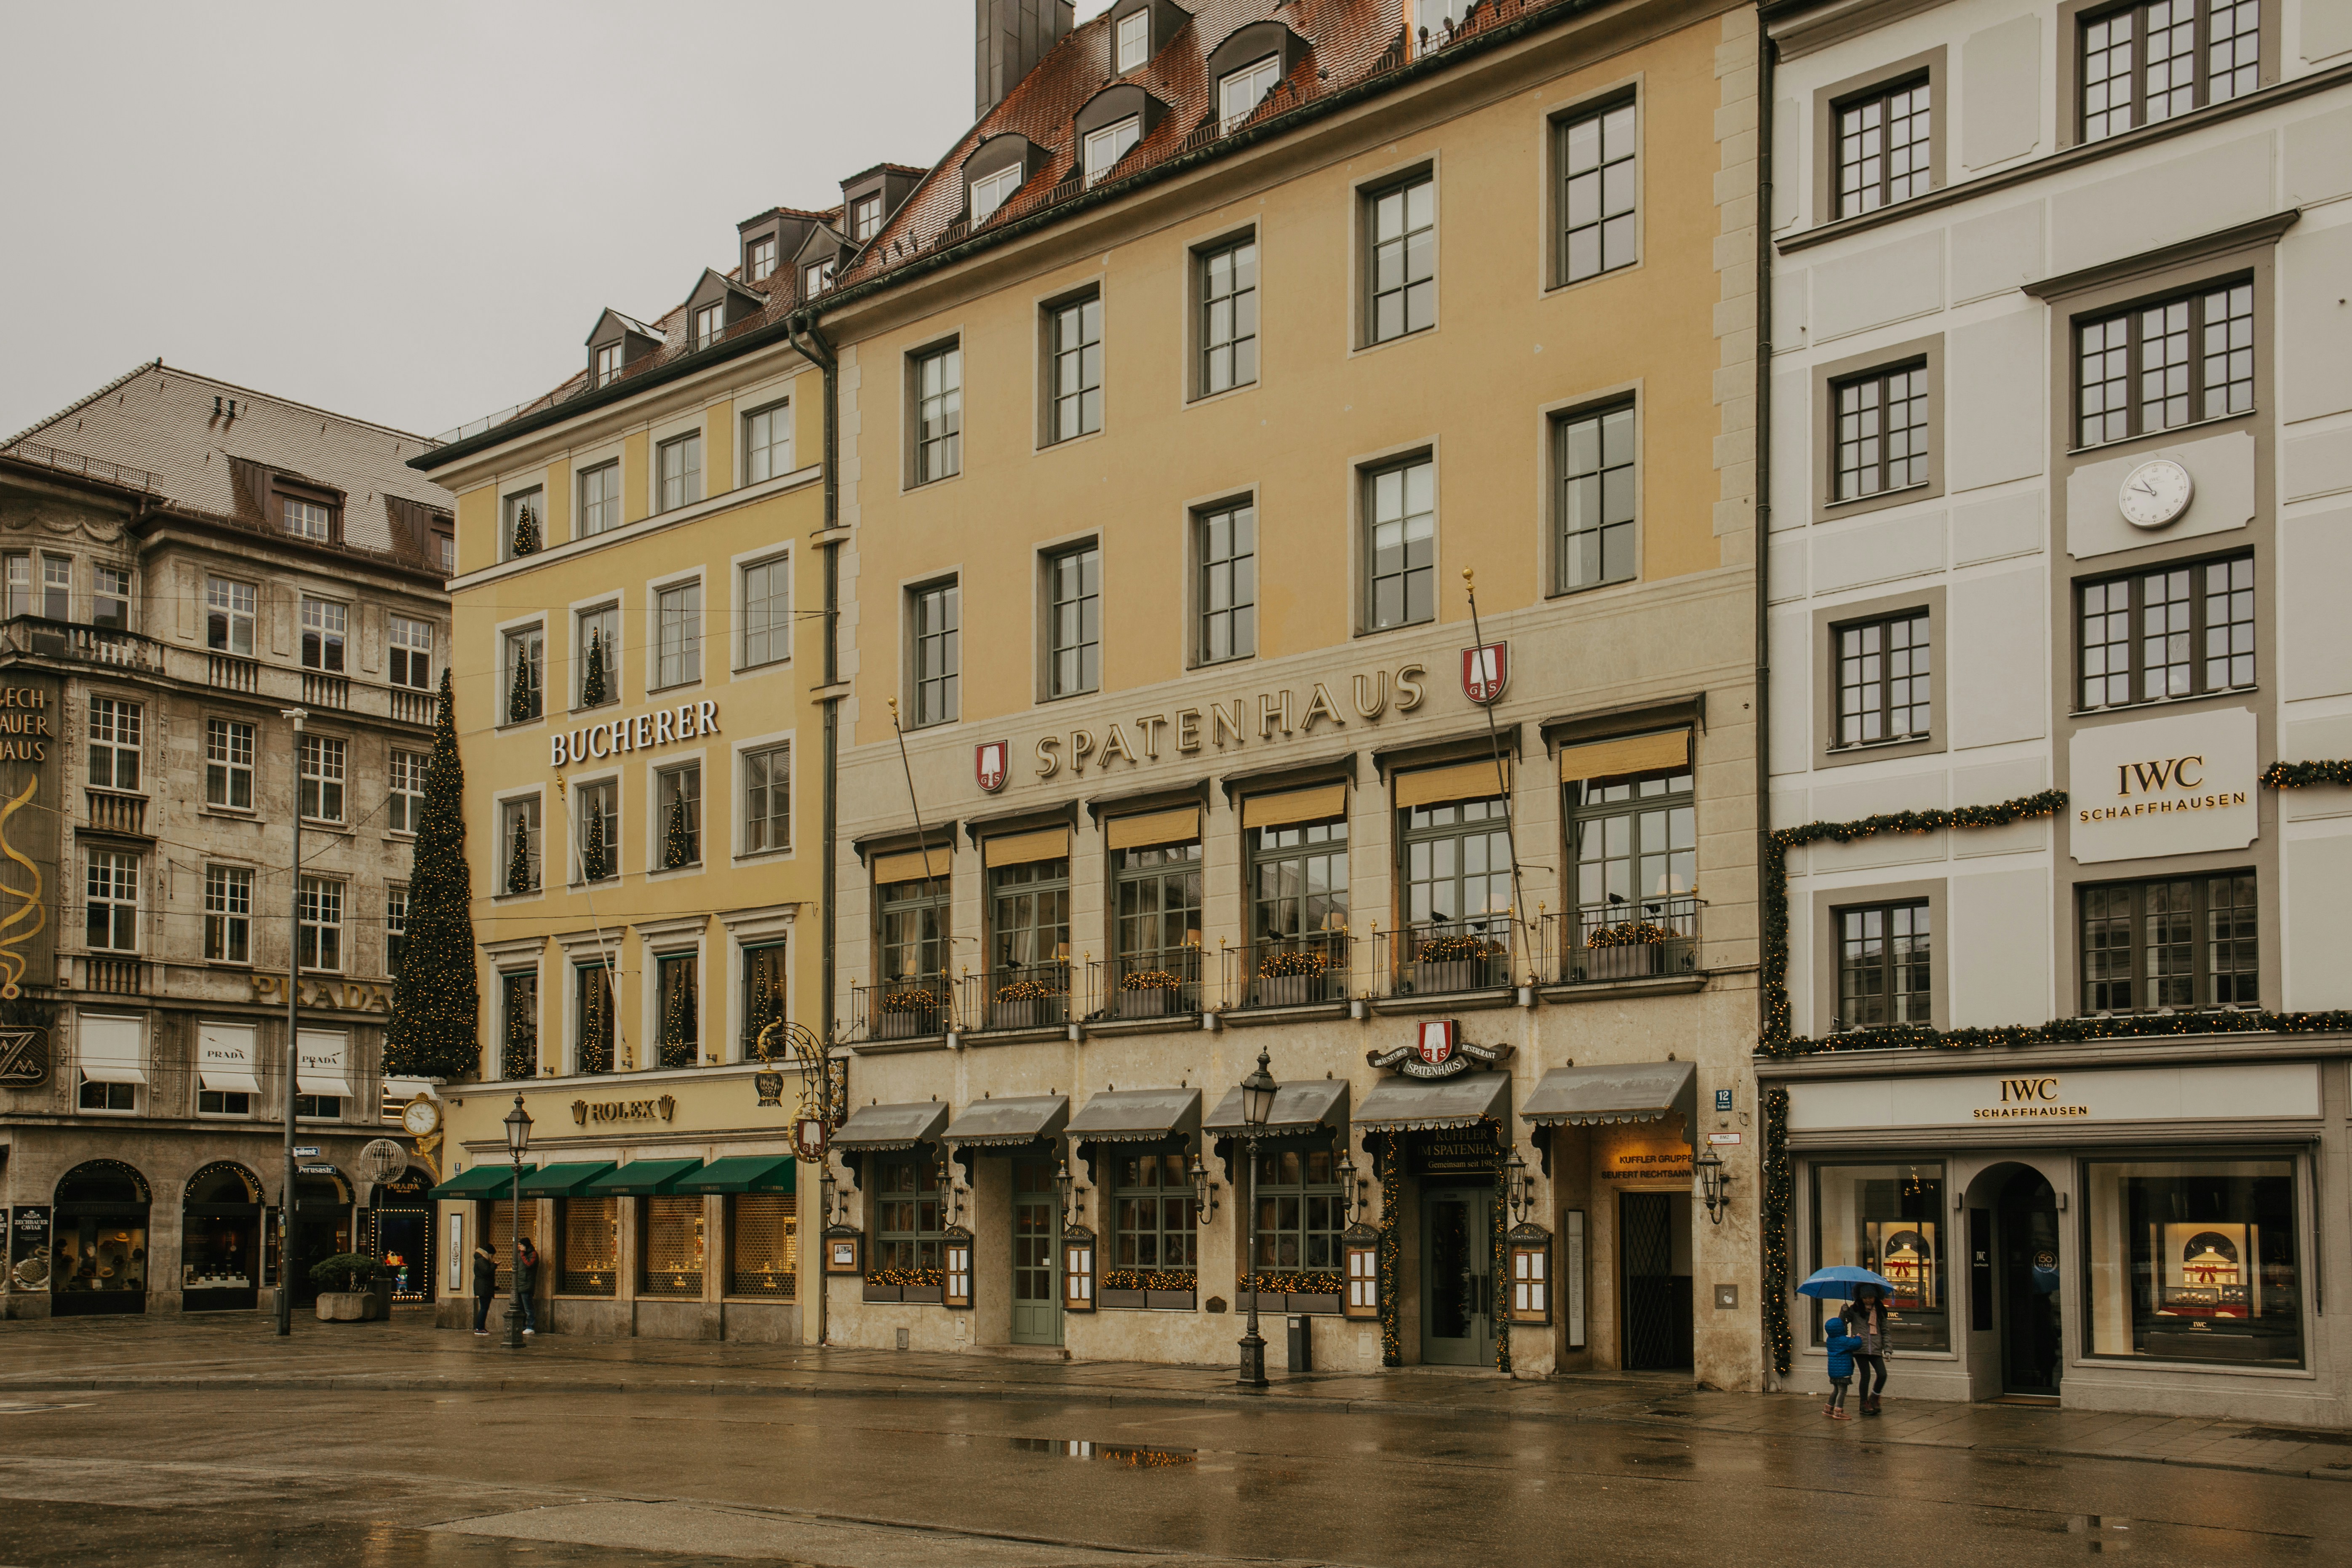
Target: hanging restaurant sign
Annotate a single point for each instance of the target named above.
(1438, 1050)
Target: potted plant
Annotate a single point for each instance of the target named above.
(907, 1285)
(343, 1294)
(1456, 963)
(909, 1015)
(1165, 1290)
(1147, 993)
(1291, 977)
(1629, 949)
(1021, 1004)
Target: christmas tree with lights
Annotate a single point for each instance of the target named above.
(435, 1003)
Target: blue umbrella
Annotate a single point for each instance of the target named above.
(1836, 1282)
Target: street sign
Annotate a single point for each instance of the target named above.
(306, 1150)
(1723, 1137)
(1722, 1100)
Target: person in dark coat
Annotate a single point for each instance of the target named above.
(486, 1287)
(526, 1281)
(1867, 1320)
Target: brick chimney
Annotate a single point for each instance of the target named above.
(1010, 36)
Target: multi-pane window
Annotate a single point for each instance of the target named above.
(522, 532)
(396, 929)
(2176, 362)
(767, 611)
(1298, 883)
(1106, 147)
(522, 675)
(1401, 517)
(1134, 41)
(1596, 496)
(608, 363)
(410, 654)
(19, 568)
(1074, 627)
(596, 809)
(914, 931)
(326, 627)
(518, 1053)
(1228, 550)
(991, 192)
(1882, 431)
(115, 741)
(56, 587)
(1152, 1209)
(591, 1018)
(865, 217)
(677, 622)
(761, 263)
(1884, 967)
(907, 1223)
(1404, 292)
(445, 552)
(600, 499)
(767, 443)
(596, 642)
(679, 469)
(1076, 368)
(678, 793)
(320, 923)
(517, 846)
(2174, 942)
(1883, 692)
(709, 325)
(2152, 62)
(325, 760)
(816, 278)
(939, 414)
(1600, 186)
(1157, 893)
(678, 1027)
(110, 598)
(1457, 866)
(1228, 316)
(1242, 93)
(306, 518)
(229, 615)
(768, 799)
(2177, 631)
(766, 984)
(1883, 146)
(1301, 1209)
(1635, 840)
(228, 763)
(938, 652)
(111, 905)
(403, 800)
(1029, 917)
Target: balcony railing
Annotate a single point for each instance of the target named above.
(908, 1007)
(115, 976)
(1301, 971)
(110, 812)
(412, 707)
(45, 638)
(1157, 982)
(230, 673)
(1034, 997)
(1638, 939)
(323, 690)
(1437, 958)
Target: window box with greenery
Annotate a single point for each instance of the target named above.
(909, 1013)
(1293, 977)
(1029, 1003)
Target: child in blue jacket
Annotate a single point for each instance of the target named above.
(1842, 1346)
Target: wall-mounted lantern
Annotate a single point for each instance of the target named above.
(1712, 1183)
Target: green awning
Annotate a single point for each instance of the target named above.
(745, 1174)
(481, 1181)
(563, 1181)
(640, 1178)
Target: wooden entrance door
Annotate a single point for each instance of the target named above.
(1036, 1250)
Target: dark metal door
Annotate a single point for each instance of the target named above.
(1655, 1300)
(2030, 1324)
(1457, 1277)
(1036, 1247)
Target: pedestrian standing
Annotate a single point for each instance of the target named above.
(486, 1287)
(1868, 1322)
(1842, 1346)
(526, 1281)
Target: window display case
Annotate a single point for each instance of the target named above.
(2195, 1261)
(220, 1240)
(669, 1246)
(589, 1263)
(763, 1244)
(1888, 1219)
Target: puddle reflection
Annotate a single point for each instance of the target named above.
(1133, 1456)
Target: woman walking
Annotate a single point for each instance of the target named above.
(486, 1289)
(526, 1281)
(1867, 1322)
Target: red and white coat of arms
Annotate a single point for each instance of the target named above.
(991, 764)
(1436, 1046)
(1485, 671)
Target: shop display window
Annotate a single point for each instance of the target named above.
(669, 1246)
(1151, 1212)
(220, 1230)
(498, 1234)
(1301, 1209)
(589, 1264)
(1889, 1219)
(906, 1217)
(762, 1245)
(2195, 1261)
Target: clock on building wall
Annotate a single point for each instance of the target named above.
(421, 1117)
(2154, 492)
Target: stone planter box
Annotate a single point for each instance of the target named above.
(1457, 974)
(909, 1025)
(1149, 1002)
(1017, 1014)
(934, 1294)
(347, 1306)
(1634, 961)
(1134, 1300)
(1289, 990)
(883, 1293)
(1267, 1306)
(1152, 1300)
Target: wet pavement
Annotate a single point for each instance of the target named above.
(165, 1442)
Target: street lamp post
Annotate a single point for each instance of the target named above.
(518, 1142)
(1257, 1104)
(293, 1041)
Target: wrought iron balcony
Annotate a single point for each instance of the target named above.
(1624, 939)
(904, 1008)
(1301, 971)
(1157, 982)
(1027, 996)
(1437, 958)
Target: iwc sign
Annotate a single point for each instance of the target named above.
(2163, 787)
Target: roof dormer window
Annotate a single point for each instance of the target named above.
(1240, 93)
(865, 217)
(1134, 40)
(816, 276)
(993, 191)
(1106, 146)
(308, 518)
(608, 363)
(760, 262)
(709, 325)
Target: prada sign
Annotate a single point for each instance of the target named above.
(2163, 787)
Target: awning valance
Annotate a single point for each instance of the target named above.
(1152, 829)
(1464, 780)
(913, 865)
(640, 1179)
(323, 1059)
(225, 1054)
(564, 1181)
(1137, 1115)
(1413, 1104)
(1653, 752)
(1634, 1091)
(1299, 1107)
(481, 1181)
(1322, 802)
(111, 1049)
(879, 1127)
(744, 1173)
(1009, 1122)
(1025, 848)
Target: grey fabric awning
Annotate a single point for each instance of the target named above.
(872, 1126)
(1137, 1115)
(1411, 1104)
(1297, 1108)
(1634, 1091)
(1006, 1123)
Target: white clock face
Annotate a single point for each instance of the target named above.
(2154, 493)
(421, 1117)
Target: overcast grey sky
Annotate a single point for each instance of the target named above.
(413, 213)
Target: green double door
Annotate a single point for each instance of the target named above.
(1036, 1254)
(1457, 1277)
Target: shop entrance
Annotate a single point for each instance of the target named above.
(98, 1242)
(2025, 1219)
(1036, 1248)
(220, 1240)
(1458, 1276)
(1653, 1265)
(321, 1229)
(403, 1234)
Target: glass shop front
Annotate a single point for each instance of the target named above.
(220, 1240)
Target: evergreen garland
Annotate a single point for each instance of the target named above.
(1780, 1192)
(591, 686)
(436, 1006)
(522, 697)
(1391, 1158)
(2306, 775)
(678, 842)
(1498, 1230)
(518, 865)
(593, 860)
(678, 1046)
(526, 532)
